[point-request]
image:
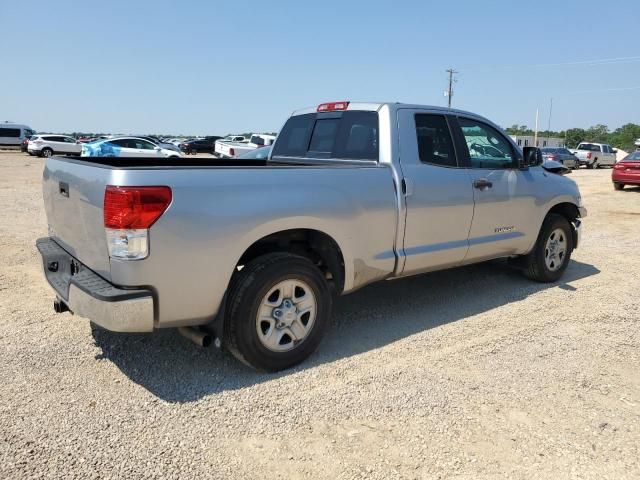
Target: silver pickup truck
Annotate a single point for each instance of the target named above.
(250, 253)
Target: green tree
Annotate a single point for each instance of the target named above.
(625, 136)
(574, 136)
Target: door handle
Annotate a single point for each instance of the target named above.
(64, 189)
(407, 187)
(482, 183)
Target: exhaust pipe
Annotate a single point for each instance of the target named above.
(202, 339)
(59, 306)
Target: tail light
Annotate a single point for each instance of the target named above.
(551, 157)
(232, 152)
(129, 212)
(332, 106)
(619, 166)
(589, 155)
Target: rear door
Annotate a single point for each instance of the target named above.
(504, 195)
(69, 145)
(438, 192)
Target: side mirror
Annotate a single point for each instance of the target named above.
(157, 149)
(532, 157)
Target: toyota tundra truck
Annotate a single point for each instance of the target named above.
(251, 254)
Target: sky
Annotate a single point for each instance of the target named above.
(218, 67)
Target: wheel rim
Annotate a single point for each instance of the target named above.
(286, 315)
(555, 251)
(47, 153)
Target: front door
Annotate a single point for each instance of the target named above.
(505, 214)
(438, 193)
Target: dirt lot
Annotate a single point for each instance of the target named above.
(472, 373)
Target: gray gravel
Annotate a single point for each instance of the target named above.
(471, 373)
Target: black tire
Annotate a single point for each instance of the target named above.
(618, 186)
(246, 292)
(47, 152)
(535, 264)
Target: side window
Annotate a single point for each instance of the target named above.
(69, 140)
(144, 145)
(488, 148)
(434, 140)
(122, 143)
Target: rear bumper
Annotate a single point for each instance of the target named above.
(626, 177)
(88, 295)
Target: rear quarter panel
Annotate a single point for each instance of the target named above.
(217, 214)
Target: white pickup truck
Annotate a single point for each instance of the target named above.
(235, 149)
(595, 155)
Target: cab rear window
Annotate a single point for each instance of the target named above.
(351, 135)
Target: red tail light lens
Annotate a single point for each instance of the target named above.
(232, 152)
(134, 207)
(332, 106)
(589, 155)
(619, 166)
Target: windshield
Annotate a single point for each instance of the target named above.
(632, 157)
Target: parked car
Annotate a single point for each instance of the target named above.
(47, 145)
(13, 134)
(561, 155)
(202, 145)
(352, 193)
(24, 146)
(627, 171)
(126, 147)
(156, 141)
(236, 149)
(595, 155)
(261, 153)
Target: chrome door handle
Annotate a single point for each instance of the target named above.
(482, 183)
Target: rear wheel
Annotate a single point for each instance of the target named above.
(278, 309)
(47, 152)
(618, 186)
(550, 256)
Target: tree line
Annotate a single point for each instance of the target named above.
(622, 138)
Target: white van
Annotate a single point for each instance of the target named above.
(12, 134)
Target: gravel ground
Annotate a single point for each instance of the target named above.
(470, 373)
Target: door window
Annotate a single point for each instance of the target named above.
(144, 145)
(487, 147)
(434, 140)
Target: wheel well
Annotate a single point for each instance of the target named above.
(571, 213)
(567, 210)
(317, 246)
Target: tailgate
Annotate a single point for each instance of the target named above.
(73, 194)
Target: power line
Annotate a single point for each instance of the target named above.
(451, 72)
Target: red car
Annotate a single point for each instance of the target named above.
(627, 171)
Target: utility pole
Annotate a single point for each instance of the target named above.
(451, 73)
(549, 126)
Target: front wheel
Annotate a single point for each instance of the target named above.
(47, 152)
(278, 309)
(551, 254)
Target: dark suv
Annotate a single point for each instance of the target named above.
(207, 144)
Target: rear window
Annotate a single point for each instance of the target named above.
(351, 135)
(589, 147)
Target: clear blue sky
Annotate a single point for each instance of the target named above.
(213, 67)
